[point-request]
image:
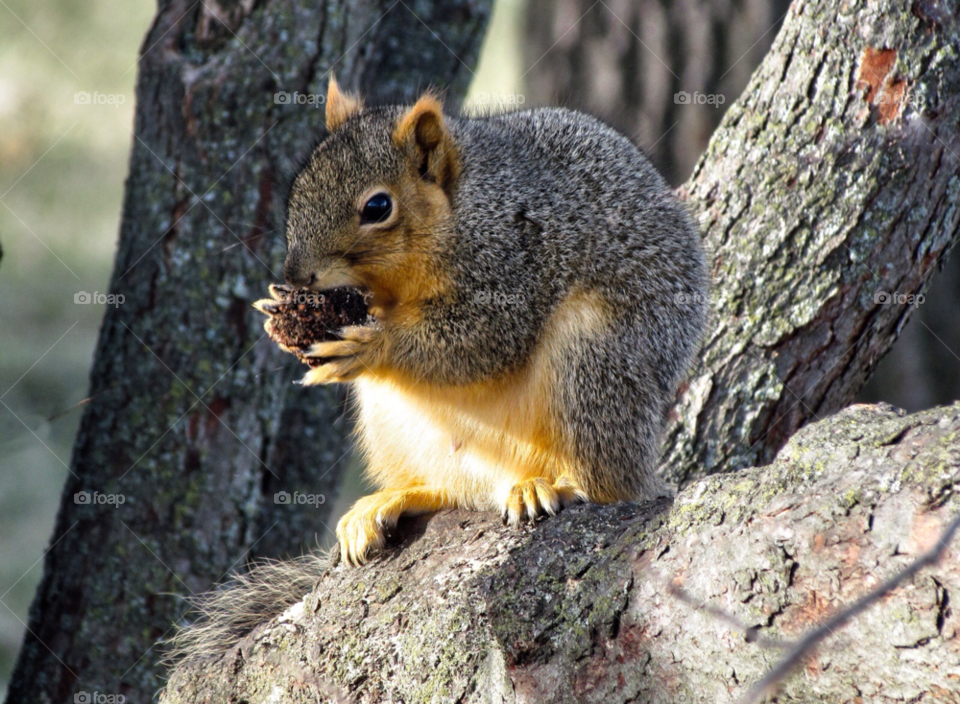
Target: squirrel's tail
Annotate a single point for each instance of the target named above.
(229, 613)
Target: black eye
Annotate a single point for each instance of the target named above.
(377, 209)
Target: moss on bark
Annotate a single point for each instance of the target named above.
(581, 608)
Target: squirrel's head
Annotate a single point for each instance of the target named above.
(372, 206)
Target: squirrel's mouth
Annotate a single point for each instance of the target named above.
(336, 272)
(364, 291)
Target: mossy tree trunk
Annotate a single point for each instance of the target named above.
(828, 197)
(830, 186)
(191, 428)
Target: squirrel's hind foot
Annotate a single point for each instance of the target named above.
(536, 497)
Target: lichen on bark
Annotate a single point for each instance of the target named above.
(828, 189)
(584, 607)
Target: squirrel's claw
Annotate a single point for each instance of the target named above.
(268, 326)
(355, 352)
(335, 371)
(362, 529)
(353, 340)
(267, 306)
(359, 534)
(535, 497)
(334, 349)
(280, 294)
(569, 492)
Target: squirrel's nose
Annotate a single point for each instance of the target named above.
(297, 277)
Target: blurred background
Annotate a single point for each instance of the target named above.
(63, 164)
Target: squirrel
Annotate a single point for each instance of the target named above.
(538, 291)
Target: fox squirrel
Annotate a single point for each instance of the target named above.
(538, 292)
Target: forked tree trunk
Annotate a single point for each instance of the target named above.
(829, 186)
(191, 422)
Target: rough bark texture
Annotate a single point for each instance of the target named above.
(830, 186)
(580, 608)
(191, 421)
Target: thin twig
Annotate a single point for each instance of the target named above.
(751, 634)
(803, 647)
(73, 407)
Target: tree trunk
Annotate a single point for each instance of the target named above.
(828, 196)
(191, 429)
(628, 603)
(831, 185)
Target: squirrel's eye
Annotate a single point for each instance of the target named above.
(377, 209)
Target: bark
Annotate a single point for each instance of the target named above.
(829, 186)
(585, 606)
(191, 422)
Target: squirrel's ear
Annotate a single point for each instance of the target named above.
(422, 133)
(340, 106)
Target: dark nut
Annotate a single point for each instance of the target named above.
(300, 317)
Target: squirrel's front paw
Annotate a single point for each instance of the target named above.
(362, 530)
(357, 350)
(536, 497)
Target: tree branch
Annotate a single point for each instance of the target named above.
(828, 196)
(802, 650)
(580, 608)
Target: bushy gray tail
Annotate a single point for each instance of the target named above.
(229, 613)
